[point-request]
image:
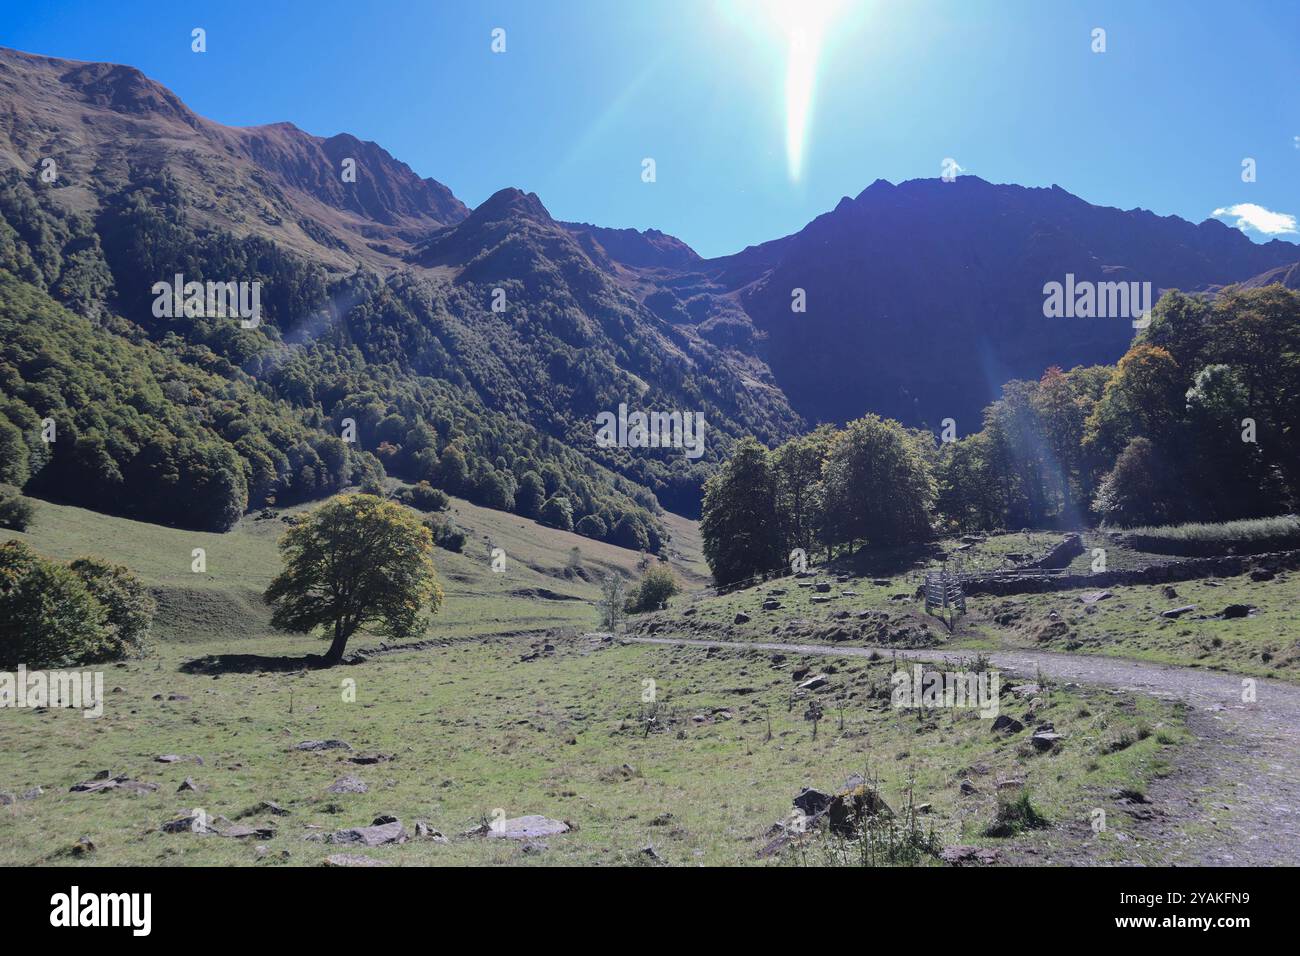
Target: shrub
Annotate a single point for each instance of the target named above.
(446, 534)
(128, 607)
(424, 497)
(658, 585)
(1016, 816)
(15, 513)
(48, 617)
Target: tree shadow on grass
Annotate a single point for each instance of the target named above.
(252, 664)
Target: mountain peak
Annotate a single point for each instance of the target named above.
(511, 203)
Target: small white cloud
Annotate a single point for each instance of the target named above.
(1250, 216)
(1296, 139)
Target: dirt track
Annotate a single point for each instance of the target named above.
(1238, 786)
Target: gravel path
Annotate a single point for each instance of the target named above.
(1239, 785)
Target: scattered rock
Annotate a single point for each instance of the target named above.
(384, 830)
(1046, 737)
(348, 785)
(741, 618)
(101, 782)
(648, 851)
(187, 823)
(314, 745)
(812, 802)
(1237, 610)
(1094, 596)
(771, 604)
(369, 758)
(968, 788)
(814, 682)
(821, 587)
(1005, 723)
(1262, 574)
(187, 784)
(1176, 612)
(425, 832)
(1169, 592)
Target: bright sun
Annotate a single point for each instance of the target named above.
(803, 23)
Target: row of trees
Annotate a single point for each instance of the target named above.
(1198, 421)
(870, 483)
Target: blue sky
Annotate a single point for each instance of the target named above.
(586, 90)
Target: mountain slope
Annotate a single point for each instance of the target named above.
(99, 121)
(923, 298)
(376, 302)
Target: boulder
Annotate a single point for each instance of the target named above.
(1005, 724)
(1046, 739)
(1237, 610)
(741, 618)
(384, 830)
(526, 828)
(812, 802)
(1177, 612)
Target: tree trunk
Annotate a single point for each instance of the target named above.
(335, 653)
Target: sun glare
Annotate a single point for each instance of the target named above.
(803, 24)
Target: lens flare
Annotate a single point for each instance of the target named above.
(804, 24)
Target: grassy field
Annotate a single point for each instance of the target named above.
(488, 720)
(1128, 623)
(472, 727)
(1245, 537)
(536, 590)
(490, 717)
